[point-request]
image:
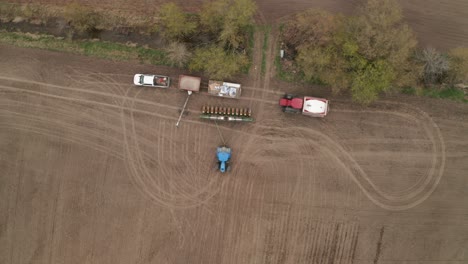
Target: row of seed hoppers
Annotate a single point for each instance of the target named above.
(216, 88)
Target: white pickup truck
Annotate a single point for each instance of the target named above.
(152, 80)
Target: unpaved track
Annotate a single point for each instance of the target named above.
(93, 170)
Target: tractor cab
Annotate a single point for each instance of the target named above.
(291, 104)
(295, 103)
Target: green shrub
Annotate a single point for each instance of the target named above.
(175, 23)
(449, 93)
(458, 65)
(408, 90)
(218, 63)
(100, 49)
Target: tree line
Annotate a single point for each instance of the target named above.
(214, 40)
(368, 53)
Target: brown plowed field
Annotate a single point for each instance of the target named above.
(93, 170)
(438, 23)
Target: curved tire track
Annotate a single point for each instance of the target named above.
(182, 196)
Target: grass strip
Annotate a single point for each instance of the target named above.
(98, 49)
(449, 93)
(264, 48)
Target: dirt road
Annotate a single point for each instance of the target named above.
(93, 170)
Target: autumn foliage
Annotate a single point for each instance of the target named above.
(368, 53)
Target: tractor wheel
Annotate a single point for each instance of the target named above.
(289, 110)
(289, 96)
(217, 165)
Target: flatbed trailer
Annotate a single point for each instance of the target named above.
(189, 83)
(224, 89)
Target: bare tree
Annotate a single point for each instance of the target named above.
(436, 65)
(178, 54)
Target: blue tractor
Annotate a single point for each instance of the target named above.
(223, 154)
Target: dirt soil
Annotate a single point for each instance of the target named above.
(94, 170)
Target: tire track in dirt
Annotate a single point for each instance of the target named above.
(405, 199)
(415, 121)
(402, 200)
(109, 105)
(139, 153)
(373, 192)
(77, 131)
(284, 228)
(414, 191)
(71, 139)
(66, 113)
(183, 198)
(31, 115)
(437, 142)
(412, 195)
(251, 99)
(95, 146)
(139, 166)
